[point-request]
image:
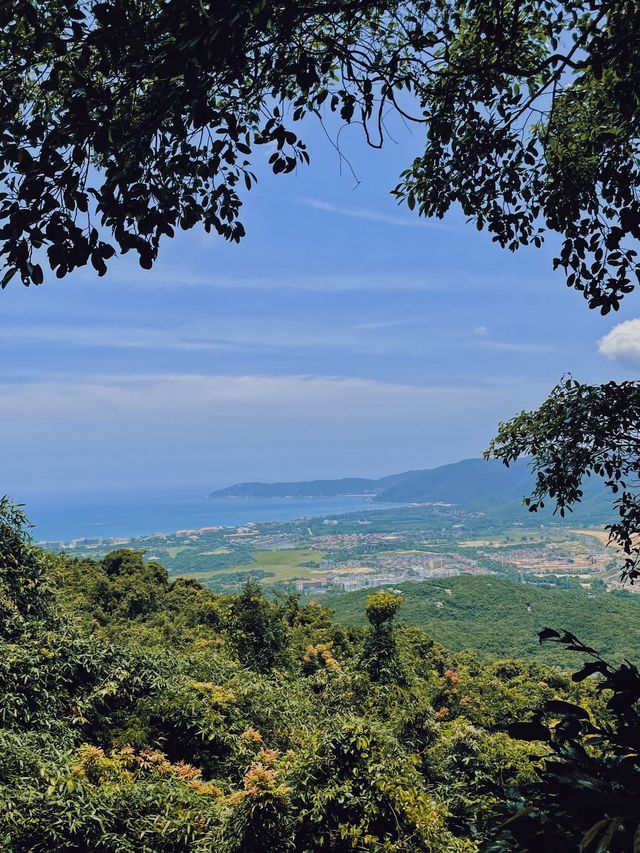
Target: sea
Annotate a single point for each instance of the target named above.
(63, 517)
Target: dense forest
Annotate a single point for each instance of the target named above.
(140, 713)
(496, 617)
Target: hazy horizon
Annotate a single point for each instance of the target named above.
(201, 487)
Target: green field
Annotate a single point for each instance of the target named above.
(174, 550)
(285, 565)
(511, 538)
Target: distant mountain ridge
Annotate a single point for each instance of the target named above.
(310, 489)
(465, 483)
(473, 484)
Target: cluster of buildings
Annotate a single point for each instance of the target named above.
(551, 560)
(84, 542)
(385, 570)
(349, 541)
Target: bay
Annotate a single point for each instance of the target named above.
(127, 513)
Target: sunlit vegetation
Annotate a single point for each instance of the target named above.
(496, 617)
(143, 713)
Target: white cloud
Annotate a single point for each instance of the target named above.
(291, 280)
(251, 336)
(377, 326)
(170, 274)
(479, 338)
(137, 393)
(376, 216)
(363, 213)
(622, 342)
(514, 346)
(223, 335)
(168, 428)
(167, 277)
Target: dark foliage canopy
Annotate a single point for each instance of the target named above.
(589, 784)
(582, 431)
(122, 120)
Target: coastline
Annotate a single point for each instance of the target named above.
(127, 517)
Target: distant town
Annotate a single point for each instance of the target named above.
(378, 548)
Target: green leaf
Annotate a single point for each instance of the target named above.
(559, 706)
(529, 731)
(592, 834)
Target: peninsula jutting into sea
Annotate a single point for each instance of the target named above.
(114, 518)
(443, 529)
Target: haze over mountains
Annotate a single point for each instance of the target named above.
(470, 483)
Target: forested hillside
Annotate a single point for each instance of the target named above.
(144, 714)
(461, 482)
(308, 489)
(497, 617)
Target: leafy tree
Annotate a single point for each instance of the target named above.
(380, 653)
(365, 794)
(121, 585)
(49, 666)
(133, 587)
(258, 633)
(24, 592)
(582, 431)
(262, 816)
(190, 602)
(125, 119)
(487, 775)
(381, 607)
(587, 792)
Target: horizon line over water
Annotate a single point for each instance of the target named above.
(123, 513)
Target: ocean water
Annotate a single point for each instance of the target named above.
(62, 517)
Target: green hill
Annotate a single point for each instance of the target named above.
(461, 482)
(311, 489)
(141, 712)
(473, 484)
(501, 618)
(464, 483)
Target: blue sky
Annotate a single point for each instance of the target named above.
(343, 336)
